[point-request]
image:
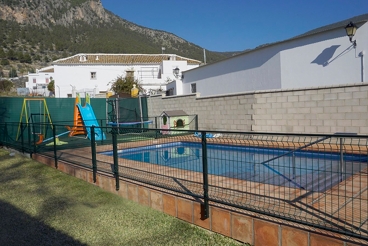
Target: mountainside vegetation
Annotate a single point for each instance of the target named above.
(37, 32)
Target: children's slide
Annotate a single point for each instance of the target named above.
(89, 120)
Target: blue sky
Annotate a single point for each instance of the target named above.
(235, 25)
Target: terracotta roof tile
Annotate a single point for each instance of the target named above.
(122, 59)
(50, 70)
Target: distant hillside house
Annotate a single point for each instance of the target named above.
(37, 82)
(93, 73)
(321, 57)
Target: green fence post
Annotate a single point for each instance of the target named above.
(205, 206)
(55, 153)
(156, 127)
(115, 155)
(21, 136)
(196, 122)
(102, 132)
(29, 137)
(93, 150)
(34, 138)
(6, 135)
(341, 166)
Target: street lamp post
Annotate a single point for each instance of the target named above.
(350, 32)
(176, 72)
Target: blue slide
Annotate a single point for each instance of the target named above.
(89, 119)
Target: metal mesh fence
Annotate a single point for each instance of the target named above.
(316, 180)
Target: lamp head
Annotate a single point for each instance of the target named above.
(350, 31)
(176, 72)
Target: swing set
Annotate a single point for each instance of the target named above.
(39, 121)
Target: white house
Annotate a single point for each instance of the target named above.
(93, 73)
(37, 82)
(321, 57)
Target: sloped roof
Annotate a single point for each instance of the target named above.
(174, 113)
(129, 59)
(341, 24)
(48, 70)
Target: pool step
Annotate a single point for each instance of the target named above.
(321, 182)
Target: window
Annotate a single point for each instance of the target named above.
(193, 88)
(93, 75)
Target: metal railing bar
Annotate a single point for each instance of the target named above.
(361, 224)
(350, 199)
(319, 214)
(282, 175)
(343, 230)
(287, 153)
(294, 150)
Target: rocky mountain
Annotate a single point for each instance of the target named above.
(35, 32)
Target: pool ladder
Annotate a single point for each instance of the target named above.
(293, 160)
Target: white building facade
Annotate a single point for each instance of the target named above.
(38, 82)
(321, 57)
(94, 73)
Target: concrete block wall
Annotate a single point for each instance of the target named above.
(313, 110)
(342, 108)
(231, 112)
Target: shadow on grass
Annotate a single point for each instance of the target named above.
(18, 228)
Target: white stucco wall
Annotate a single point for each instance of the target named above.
(256, 71)
(150, 76)
(326, 58)
(79, 76)
(37, 82)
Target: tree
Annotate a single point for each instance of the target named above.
(51, 86)
(25, 58)
(5, 85)
(13, 73)
(4, 62)
(11, 55)
(31, 70)
(2, 53)
(124, 84)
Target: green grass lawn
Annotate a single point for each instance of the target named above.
(43, 206)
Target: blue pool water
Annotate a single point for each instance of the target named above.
(307, 170)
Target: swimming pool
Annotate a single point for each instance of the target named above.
(315, 171)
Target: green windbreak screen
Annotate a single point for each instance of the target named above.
(120, 110)
(35, 110)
